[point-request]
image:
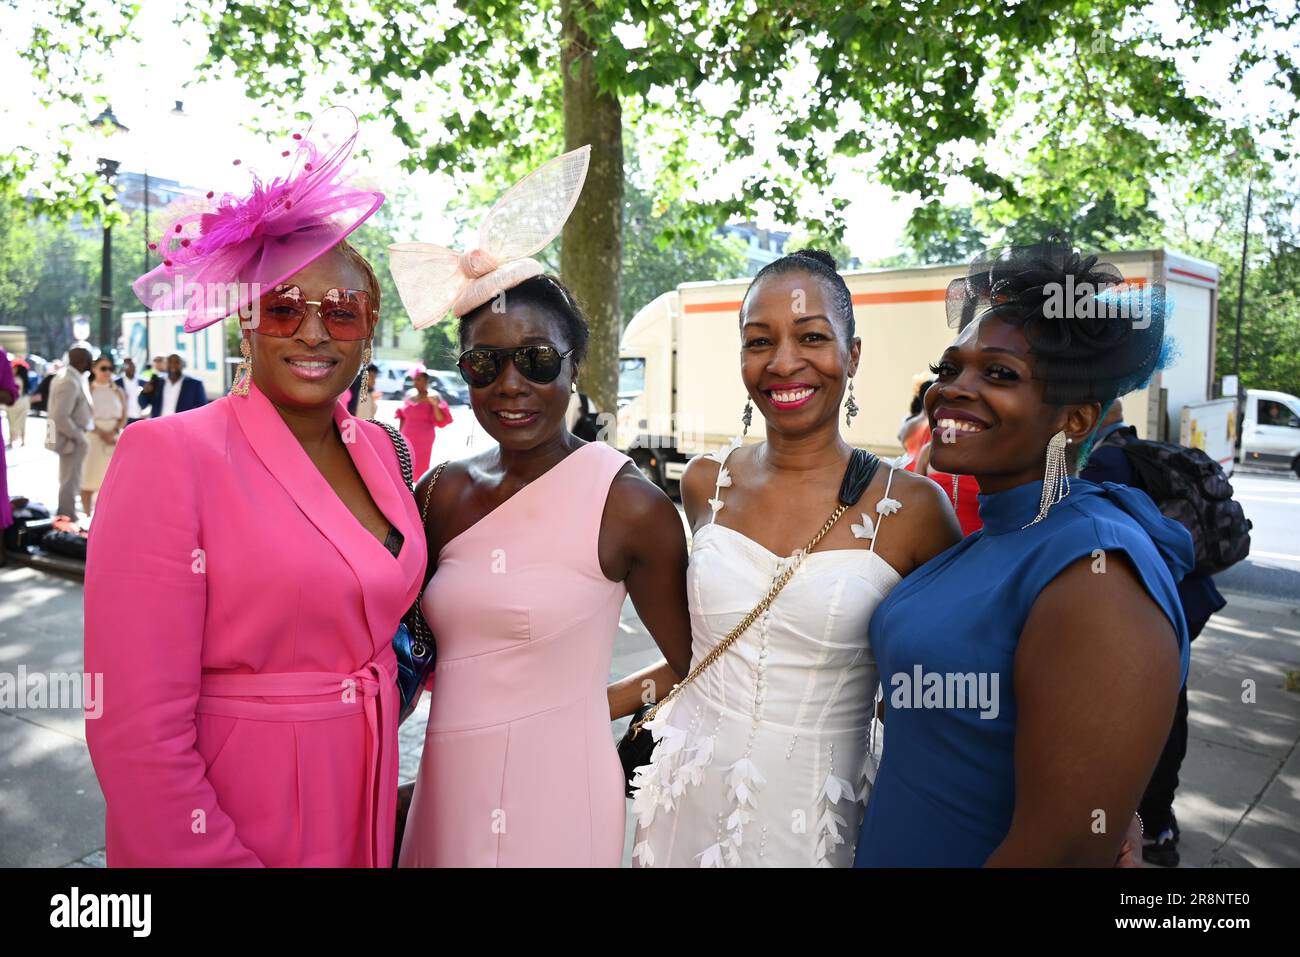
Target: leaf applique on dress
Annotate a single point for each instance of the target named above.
(888, 506)
(836, 789)
(711, 856)
(866, 530)
(724, 477)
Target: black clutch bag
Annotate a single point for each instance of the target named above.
(635, 749)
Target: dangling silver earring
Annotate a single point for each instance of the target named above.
(850, 407)
(747, 416)
(1056, 477)
(244, 374)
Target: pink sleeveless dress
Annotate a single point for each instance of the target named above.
(519, 767)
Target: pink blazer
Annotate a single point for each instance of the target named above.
(242, 619)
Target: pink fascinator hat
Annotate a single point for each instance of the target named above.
(222, 253)
(434, 279)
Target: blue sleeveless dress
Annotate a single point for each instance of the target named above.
(945, 790)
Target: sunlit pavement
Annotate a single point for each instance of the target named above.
(1238, 805)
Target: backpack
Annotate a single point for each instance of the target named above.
(1191, 488)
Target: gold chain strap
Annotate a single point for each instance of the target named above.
(762, 606)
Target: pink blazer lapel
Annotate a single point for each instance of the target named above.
(385, 582)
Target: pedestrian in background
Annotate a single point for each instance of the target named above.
(914, 433)
(41, 395)
(16, 411)
(420, 417)
(9, 394)
(71, 418)
(174, 392)
(131, 388)
(108, 405)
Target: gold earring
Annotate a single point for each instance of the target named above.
(365, 369)
(244, 374)
(1056, 476)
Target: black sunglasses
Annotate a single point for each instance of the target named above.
(481, 367)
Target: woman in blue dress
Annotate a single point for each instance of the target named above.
(1031, 671)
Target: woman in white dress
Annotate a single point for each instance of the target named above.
(108, 405)
(764, 759)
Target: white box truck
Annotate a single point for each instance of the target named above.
(680, 391)
(162, 332)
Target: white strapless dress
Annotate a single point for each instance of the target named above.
(767, 758)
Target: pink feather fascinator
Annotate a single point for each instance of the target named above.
(223, 253)
(433, 280)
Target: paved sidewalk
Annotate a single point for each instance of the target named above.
(1239, 804)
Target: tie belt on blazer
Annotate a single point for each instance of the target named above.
(370, 690)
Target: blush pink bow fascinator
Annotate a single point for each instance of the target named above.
(222, 254)
(434, 279)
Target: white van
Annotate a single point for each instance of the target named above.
(392, 378)
(1270, 430)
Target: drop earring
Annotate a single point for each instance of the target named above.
(1056, 476)
(244, 374)
(365, 370)
(850, 407)
(747, 416)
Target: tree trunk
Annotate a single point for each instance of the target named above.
(591, 254)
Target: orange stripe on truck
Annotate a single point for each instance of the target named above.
(902, 295)
(859, 299)
(1193, 275)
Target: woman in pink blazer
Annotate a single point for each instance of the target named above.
(248, 566)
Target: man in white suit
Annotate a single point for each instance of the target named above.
(70, 418)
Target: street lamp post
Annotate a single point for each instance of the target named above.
(1241, 285)
(107, 169)
(107, 124)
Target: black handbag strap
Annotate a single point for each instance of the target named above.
(858, 474)
(403, 453)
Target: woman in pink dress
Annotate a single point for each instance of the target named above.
(536, 543)
(8, 396)
(420, 416)
(248, 566)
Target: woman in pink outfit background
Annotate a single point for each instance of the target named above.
(263, 549)
(537, 543)
(421, 415)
